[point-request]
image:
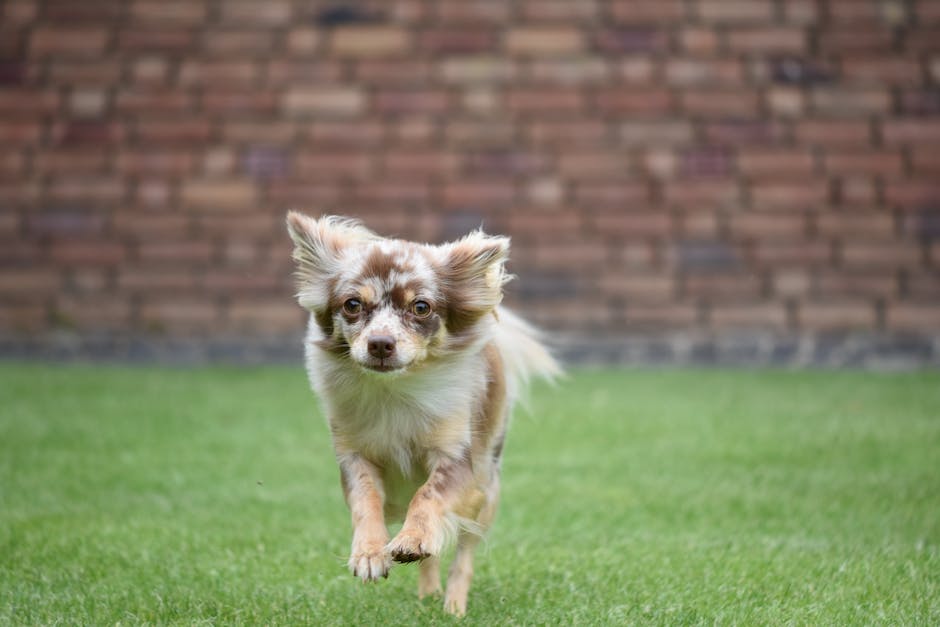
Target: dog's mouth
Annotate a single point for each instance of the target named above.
(383, 366)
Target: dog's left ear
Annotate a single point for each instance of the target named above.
(474, 269)
(319, 247)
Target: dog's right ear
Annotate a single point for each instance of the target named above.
(319, 247)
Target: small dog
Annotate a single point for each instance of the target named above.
(417, 368)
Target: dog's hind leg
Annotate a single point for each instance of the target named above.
(461, 570)
(429, 577)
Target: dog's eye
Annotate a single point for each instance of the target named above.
(421, 308)
(352, 306)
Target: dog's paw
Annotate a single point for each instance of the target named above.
(408, 547)
(457, 607)
(369, 561)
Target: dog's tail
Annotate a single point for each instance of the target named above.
(522, 350)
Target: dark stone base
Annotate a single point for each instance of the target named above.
(866, 351)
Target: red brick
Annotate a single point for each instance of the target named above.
(735, 11)
(744, 131)
(475, 132)
(779, 163)
(559, 10)
(412, 101)
(188, 131)
(634, 101)
(91, 252)
(478, 193)
(88, 313)
(911, 131)
(34, 280)
(239, 101)
(23, 317)
(781, 39)
(259, 131)
(154, 40)
(848, 102)
(154, 162)
(571, 71)
(335, 101)
(19, 101)
(227, 43)
(369, 41)
(393, 191)
(567, 132)
(148, 280)
(146, 225)
(805, 194)
(912, 194)
(632, 288)
(754, 315)
(329, 165)
(87, 189)
(423, 164)
(855, 38)
(64, 161)
(656, 132)
(303, 41)
(218, 72)
(457, 40)
(189, 254)
(836, 316)
(834, 284)
(610, 194)
(675, 315)
(345, 133)
(392, 72)
(153, 101)
(487, 11)
(645, 11)
(833, 132)
(695, 193)
(637, 70)
(887, 254)
(923, 284)
(82, 41)
(257, 14)
(544, 100)
(874, 163)
(794, 253)
(84, 71)
(64, 11)
(219, 194)
(183, 12)
(627, 40)
(266, 318)
(633, 224)
(925, 159)
(22, 193)
(724, 103)
(880, 70)
(593, 165)
(179, 315)
(689, 71)
(544, 40)
(913, 317)
(768, 225)
(851, 224)
(698, 40)
(19, 11)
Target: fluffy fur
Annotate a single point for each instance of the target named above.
(417, 367)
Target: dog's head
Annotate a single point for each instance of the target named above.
(390, 305)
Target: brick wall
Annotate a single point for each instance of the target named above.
(703, 166)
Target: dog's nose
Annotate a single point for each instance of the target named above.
(381, 346)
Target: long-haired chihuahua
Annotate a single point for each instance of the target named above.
(417, 367)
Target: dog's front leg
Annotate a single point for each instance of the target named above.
(425, 528)
(362, 486)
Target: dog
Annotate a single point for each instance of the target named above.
(417, 367)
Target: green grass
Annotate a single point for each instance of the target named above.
(686, 497)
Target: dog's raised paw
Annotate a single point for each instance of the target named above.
(406, 547)
(370, 563)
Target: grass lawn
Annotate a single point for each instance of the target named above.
(142, 495)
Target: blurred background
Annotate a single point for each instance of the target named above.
(685, 181)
